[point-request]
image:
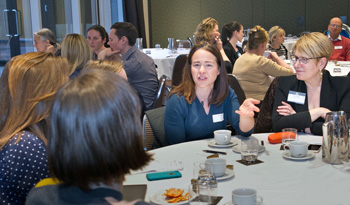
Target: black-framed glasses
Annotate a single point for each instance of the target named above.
(334, 25)
(301, 59)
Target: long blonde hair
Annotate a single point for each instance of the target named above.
(77, 50)
(28, 84)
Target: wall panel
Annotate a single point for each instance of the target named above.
(179, 18)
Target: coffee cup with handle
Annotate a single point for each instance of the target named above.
(222, 137)
(245, 196)
(297, 148)
(218, 166)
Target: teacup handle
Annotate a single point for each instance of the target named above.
(285, 147)
(259, 199)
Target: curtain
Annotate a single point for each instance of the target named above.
(133, 13)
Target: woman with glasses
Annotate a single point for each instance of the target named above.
(302, 101)
(204, 102)
(253, 70)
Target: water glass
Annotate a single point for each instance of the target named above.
(289, 135)
(249, 149)
(199, 194)
(157, 46)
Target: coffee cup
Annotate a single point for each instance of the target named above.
(245, 196)
(222, 137)
(266, 54)
(297, 148)
(218, 166)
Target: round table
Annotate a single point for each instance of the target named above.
(277, 180)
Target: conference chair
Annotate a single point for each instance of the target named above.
(264, 120)
(179, 65)
(161, 92)
(234, 84)
(153, 128)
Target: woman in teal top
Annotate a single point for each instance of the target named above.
(204, 102)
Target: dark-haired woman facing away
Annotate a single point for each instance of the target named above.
(95, 139)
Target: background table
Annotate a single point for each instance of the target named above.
(277, 180)
(164, 59)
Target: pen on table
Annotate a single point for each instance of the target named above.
(214, 152)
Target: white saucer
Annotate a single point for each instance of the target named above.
(230, 203)
(288, 155)
(159, 198)
(237, 148)
(228, 174)
(212, 143)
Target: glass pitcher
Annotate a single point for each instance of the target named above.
(335, 145)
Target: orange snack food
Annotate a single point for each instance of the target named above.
(173, 192)
(175, 195)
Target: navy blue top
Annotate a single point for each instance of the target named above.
(62, 194)
(22, 166)
(186, 122)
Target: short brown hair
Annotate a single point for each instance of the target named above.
(257, 36)
(95, 131)
(28, 85)
(187, 86)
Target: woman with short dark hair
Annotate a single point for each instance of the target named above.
(95, 139)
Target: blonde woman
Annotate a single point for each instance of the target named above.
(208, 31)
(253, 70)
(28, 84)
(45, 41)
(302, 101)
(276, 40)
(113, 66)
(76, 49)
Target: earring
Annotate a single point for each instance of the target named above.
(320, 73)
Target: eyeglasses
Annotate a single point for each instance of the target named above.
(301, 60)
(334, 25)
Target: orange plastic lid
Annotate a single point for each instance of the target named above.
(275, 138)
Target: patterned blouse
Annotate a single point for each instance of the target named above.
(282, 52)
(22, 165)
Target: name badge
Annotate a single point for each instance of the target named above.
(338, 47)
(218, 117)
(296, 97)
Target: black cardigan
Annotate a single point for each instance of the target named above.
(231, 54)
(335, 95)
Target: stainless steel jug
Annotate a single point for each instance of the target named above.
(335, 145)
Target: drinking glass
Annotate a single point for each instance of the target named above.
(249, 149)
(199, 194)
(289, 135)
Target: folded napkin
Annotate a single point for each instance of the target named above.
(157, 166)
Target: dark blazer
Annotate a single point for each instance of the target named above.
(335, 95)
(232, 54)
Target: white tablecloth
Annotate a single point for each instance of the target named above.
(289, 43)
(164, 59)
(343, 66)
(277, 180)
